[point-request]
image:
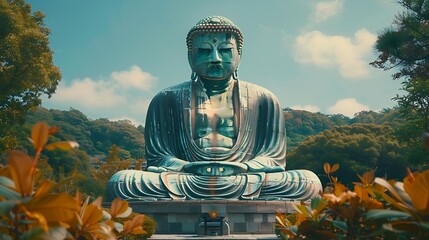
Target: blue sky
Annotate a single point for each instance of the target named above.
(313, 55)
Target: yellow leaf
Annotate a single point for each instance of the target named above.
(138, 230)
(335, 167)
(110, 223)
(54, 207)
(417, 187)
(97, 202)
(64, 145)
(83, 207)
(22, 171)
(388, 186)
(367, 178)
(134, 225)
(39, 135)
(361, 193)
(118, 207)
(102, 231)
(92, 215)
(44, 188)
(339, 189)
(53, 130)
(327, 168)
(5, 172)
(39, 218)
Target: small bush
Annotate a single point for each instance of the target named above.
(33, 211)
(375, 209)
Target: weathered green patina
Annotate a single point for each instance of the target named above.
(215, 136)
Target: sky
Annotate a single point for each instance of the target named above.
(313, 55)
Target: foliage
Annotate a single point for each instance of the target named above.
(26, 66)
(112, 165)
(404, 45)
(375, 209)
(27, 212)
(414, 107)
(95, 137)
(357, 147)
(302, 124)
(149, 225)
(73, 169)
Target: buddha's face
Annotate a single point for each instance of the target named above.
(214, 56)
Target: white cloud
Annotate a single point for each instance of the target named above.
(140, 106)
(325, 10)
(309, 108)
(133, 121)
(134, 78)
(122, 95)
(347, 54)
(89, 93)
(348, 107)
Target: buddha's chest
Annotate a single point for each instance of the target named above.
(215, 121)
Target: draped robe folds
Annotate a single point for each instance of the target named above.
(260, 144)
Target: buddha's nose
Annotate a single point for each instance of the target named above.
(215, 57)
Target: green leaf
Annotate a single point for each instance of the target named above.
(5, 181)
(38, 233)
(8, 193)
(385, 214)
(340, 224)
(401, 227)
(5, 236)
(315, 202)
(6, 206)
(424, 225)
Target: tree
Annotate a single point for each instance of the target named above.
(414, 105)
(406, 44)
(357, 148)
(106, 170)
(26, 66)
(414, 108)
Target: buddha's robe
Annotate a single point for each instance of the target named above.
(260, 144)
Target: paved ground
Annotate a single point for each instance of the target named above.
(232, 236)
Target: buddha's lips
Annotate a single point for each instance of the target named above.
(215, 67)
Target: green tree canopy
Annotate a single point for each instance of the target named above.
(357, 148)
(26, 67)
(406, 44)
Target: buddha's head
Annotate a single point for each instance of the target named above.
(214, 48)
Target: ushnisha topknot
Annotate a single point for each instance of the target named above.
(214, 24)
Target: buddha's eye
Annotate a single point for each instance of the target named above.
(225, 50)
(203, 51)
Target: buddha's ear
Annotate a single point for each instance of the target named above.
(190, 59)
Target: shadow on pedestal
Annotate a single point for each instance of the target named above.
(187, 217)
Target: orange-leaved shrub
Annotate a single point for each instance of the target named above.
(30, 212)
(375, 209)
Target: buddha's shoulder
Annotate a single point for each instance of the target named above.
(176, 89)
(255, 89)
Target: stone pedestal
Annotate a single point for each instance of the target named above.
(184, 217)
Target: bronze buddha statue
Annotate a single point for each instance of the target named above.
(215, 136)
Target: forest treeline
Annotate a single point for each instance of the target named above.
(366, 141)
(96, 137)
(301, 124)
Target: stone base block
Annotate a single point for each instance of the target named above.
(213, 229)
(184, 216)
